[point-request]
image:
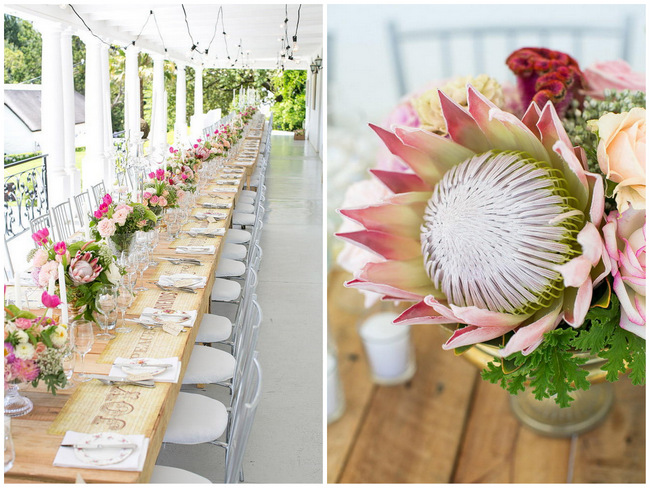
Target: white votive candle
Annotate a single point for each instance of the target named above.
(388, 348)
(18, 292)
(335, 401)
(63, 295)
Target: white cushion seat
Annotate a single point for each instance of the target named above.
(214, 328)
(245, 208)
(196, 419)
(225, 290)
(230, 267)
(238, 236)
(246, 200)
(239, 218)
(209, 365)
(233, 251)
(249, 193)
(168, 474)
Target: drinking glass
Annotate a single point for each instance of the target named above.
(83, 340)
(124, 301)
(174, 229)
(68, 368)
(106, 302)
(138, 259)
(10, 454)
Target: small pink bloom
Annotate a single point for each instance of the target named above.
(171, 149)
(195, 146)
(98, 214)
(160, 174)
(107, 199)
(162, 201)
(147, 195)
(50, 301)
(103, 208)
(199, 140)
(40, 348)
(142, 223)
(152, 175)
(154, 199)
(184, 176)
(23, 323)
(60, 248)
(40, 258)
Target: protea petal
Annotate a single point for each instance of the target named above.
(597, 191)
(395, 219)
(384, 289)
(495, 132)
(525, 140)
(472, 335)
(403, 275)
(576, 303)
(528, 337)
(421, 313)
(531, 117)
(389, 246)
(401, 182)
(486, 318)
(462, 128)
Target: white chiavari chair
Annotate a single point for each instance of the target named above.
(42, 222)
(63, 220)
(84, 207)
(98, 191)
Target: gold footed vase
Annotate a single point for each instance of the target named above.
(588, 409)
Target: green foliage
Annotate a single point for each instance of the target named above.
(12, 158)
(289, 109)
(552, 369)
(22, 51)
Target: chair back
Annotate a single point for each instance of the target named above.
(84, 207)
(121, 178)
(476, 50)
(63, 220)
(9, 267)
(42, 222)
(250, 283)
(243, 417)
(98, 191)
(245, 344)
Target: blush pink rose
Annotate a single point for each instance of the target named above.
(162, 201)
(106, 227)
(49, 270)
(40, 258)
(615, 75)
(120, 216)
(23, 323)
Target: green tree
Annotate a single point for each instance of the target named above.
(289, 109)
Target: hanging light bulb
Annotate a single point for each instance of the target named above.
(295, 43)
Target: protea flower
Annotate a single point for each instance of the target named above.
(497, 228)
(545, 75)
(84, 268)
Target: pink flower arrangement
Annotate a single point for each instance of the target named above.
(613, 75)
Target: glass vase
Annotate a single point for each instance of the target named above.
(121, 243)
(16, 405)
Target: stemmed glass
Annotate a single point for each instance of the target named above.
(139, 260)
(68, 361)
(83, 340)
(124, 301)
(106, 302)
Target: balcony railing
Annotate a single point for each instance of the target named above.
(25, 194)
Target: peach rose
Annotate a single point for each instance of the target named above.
(106, 227)
(615, 75)
(120, 216)
(621, 155)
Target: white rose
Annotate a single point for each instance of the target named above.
(113, 274)
(24, 351)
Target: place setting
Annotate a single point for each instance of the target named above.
(102, 450)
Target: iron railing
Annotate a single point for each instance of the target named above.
(25, 195)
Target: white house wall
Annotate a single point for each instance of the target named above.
(18, 138)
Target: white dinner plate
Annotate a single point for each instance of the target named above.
(104, 456)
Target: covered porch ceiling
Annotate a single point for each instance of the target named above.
(260, 28)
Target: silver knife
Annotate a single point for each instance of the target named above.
(118, 380)
(147, 365)
(102, 446)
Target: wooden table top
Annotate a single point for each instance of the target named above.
(448, 425)
(36, 449)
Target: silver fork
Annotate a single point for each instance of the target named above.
(171, 288)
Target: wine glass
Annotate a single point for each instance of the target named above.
(68, 361)
(138, 260)
(124, 301)
(83, 340)
(106, 302)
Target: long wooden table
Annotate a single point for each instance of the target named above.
(447, 425)
(36, 448)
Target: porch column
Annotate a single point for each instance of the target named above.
(94, 165)
(109, 150)
(158, 134)
(73, 183)
(52, 122)
(131, 95)
(180, 128)
(197, 120)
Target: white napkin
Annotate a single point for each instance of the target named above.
(149, 311)
(226, 189)
(196, 250)
(65, 456)
(226, 182)
(170, 375)
(217, 205)
(233, 170)
(204, 231)
(171, 280)
(214, 215)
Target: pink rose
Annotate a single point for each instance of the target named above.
(106, 227)
(154, 200)
(120, 216)
(615, 75)
(162, 201)
(123, 206)
(40, 258)
(165, 193)
(49, 270)
(23, 323)
(40, 348)
(146, 195)
(625, 243)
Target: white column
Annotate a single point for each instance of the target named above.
(180, 127)
(52, 122)
(109, 169)
(158, 136)
(95, 161)
(73, 183)
(132, 94)
(198, 90)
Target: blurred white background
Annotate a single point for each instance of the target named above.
(363, 83)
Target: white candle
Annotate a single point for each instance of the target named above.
(335, 403)
(63, 295)
(87, 232)
(50, 291)
(18, 291)
(388, 348)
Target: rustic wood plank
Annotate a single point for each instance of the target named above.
(344, 308)
(616, 451)
(412, 432)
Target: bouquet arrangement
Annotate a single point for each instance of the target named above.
(35, 346)
(87, 265)
(160, 191)
(183, 168)
(118, 223)
(516, 218)
(247, 113)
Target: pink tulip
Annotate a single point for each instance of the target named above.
(60, 248)
(107, 199)
(152, 175)
(98, 214)
(50, 301)
(171, 149)
(40, 237)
